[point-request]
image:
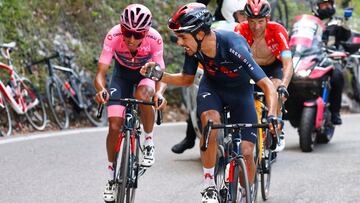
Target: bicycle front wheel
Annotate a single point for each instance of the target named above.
(88, 93)
(35, 113)
(123, 175)
(134, 168)
(240, 176)
(266, 167)
(57, 104)
(5, 118)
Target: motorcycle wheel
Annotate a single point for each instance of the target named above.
(307, 134)
(325, 136)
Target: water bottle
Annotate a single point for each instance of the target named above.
(227, 169)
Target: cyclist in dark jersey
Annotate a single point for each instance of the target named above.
(228, 68)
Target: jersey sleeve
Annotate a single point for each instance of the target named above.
(107, 50)
(190, 65)
(157, 49)
(240, 53)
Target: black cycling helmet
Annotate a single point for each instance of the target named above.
(191, 18)
(257, 9)
(324, 13)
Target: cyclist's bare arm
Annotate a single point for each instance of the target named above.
(287, 71)
(178, 79)
(100, 80)
(270, 95)
(160, 88)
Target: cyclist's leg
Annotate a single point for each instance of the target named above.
(119, 88)
(274, 72)
(208, 107)
(242, 110)
(145, 91)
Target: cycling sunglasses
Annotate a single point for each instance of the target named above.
(128, 33)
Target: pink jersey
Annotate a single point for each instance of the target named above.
(150, 49)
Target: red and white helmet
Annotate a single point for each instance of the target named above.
(136, 17)
(257, 9)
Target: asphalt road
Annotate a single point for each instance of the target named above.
(70, 166)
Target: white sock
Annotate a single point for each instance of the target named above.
(149, 141)
(110, 170)
(208, 177)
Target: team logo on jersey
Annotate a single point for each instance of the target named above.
(112, 90)
(109, 37)
(205, 94)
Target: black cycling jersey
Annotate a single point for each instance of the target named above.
(233, 65)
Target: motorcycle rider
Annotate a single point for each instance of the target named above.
(337, 30)
(233, 12)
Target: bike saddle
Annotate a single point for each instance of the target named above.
(8, 45)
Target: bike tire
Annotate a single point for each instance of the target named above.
(134, 167)
(123, 175)
(307, 134)
(265, 172)
(5, 118)
(254, 187)
(57, 103)
(87, 91)
(235, 184)
(37, 114)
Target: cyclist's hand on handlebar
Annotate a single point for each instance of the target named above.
(282, 90)
(102, 96)
(158, 96)
(152, 70)
(274, 121)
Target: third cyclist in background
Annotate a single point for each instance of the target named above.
(269, 45)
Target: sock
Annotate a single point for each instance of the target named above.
(208, 177)
(110, 170)
(149, 139)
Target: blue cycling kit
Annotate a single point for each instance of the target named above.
(226, 80)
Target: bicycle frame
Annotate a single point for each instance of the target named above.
(18, 104)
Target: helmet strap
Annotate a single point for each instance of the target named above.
(198, 41)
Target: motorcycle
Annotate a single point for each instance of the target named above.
(348, 57)
(308, 104)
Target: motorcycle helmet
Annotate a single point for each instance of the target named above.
(324, 13)
(229, 7)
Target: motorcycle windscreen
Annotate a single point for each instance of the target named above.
(305, 36)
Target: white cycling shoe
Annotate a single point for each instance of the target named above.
(110, 192)
(281, 145)
(149, 158)
(210, 195)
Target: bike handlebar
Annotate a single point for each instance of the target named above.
(131, 101)
(210, 125)
(46, 59)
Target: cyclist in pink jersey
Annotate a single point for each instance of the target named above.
(132, 43)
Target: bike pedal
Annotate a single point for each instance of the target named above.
(223, 193)
(142, 170)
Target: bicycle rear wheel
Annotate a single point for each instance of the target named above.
(5, 118)
(57, 104)
(88, 92)
(240, 175)
(36, 113)
(265, 175)
(123, 175)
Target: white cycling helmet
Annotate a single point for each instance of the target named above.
(229, 7)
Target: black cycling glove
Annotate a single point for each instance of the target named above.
(283, 91)
(154, 73)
